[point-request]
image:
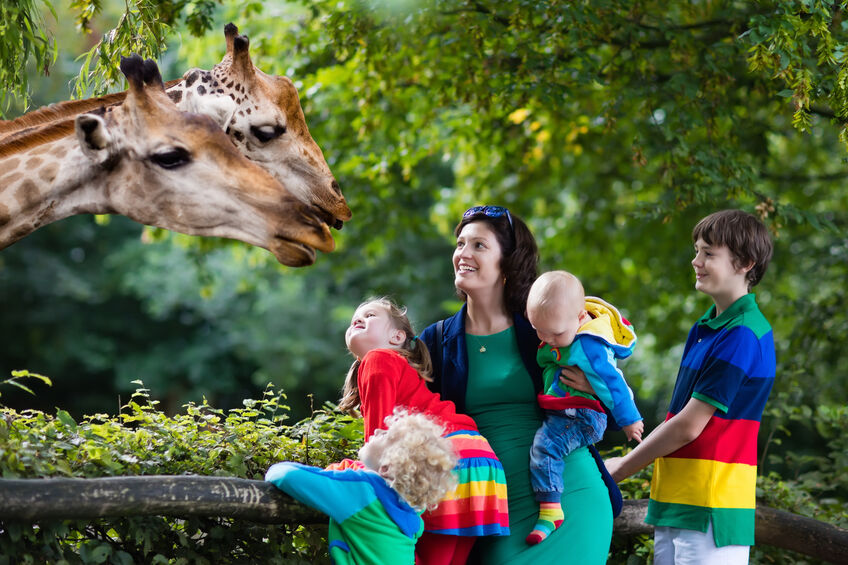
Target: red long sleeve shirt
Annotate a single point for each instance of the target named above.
(386, 380)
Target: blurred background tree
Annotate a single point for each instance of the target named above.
(610, 126)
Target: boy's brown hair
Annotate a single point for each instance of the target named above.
(744, 235)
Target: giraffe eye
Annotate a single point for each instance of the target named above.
(171, 158)
(267, 133)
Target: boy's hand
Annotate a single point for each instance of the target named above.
(634, 431)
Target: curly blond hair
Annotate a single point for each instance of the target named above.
(417, 462)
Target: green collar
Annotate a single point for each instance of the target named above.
(744, 304)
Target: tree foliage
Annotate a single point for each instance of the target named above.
(610, 126)
(24, 39)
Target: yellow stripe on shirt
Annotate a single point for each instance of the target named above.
(700, 482)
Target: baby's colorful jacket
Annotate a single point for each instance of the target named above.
(599, 342)
(368, 519)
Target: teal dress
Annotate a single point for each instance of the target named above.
(501, 399)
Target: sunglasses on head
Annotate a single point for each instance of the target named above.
(491, 212)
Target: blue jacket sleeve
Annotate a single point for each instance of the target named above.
(598, 362)
(339, 494)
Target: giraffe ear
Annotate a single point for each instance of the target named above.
(94, 137)
(220, 108)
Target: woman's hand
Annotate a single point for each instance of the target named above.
(574, 377)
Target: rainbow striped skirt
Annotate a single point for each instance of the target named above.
(478, 505)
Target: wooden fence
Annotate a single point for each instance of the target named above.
(31, 500)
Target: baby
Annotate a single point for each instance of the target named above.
(591, 334)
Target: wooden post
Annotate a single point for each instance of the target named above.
(776, 528)
(31, 500)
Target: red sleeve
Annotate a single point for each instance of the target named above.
(377, 379)
(346, 464)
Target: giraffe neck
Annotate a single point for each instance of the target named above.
(65, 110)
(46, 182)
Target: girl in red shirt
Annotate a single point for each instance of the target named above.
(391, 369)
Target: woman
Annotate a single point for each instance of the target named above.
(484, 360)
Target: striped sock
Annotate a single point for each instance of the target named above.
(550, 518)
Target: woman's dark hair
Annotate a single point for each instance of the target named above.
(519, 257)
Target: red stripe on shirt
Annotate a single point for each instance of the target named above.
(728, 441)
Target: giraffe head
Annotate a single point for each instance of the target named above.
(262, 115)
(179, 171)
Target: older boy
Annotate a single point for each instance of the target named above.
(702, 501)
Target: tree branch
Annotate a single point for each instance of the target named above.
(826, 113)
(685, 27)
(480, 9)
(804, 178)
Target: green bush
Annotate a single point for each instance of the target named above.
(142, 440)
(244, 442)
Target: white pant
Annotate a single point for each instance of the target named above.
(676, 546)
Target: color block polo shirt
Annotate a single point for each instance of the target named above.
(370, 524)
(728, 362)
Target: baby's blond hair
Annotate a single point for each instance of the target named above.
(553, 289)
(417, 461)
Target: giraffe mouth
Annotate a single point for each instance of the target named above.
(329, 218)
(299, 250)
(292, 253)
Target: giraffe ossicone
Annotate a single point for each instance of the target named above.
(157, 165)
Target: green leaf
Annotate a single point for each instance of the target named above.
(66, 419)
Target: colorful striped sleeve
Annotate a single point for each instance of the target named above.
(339, 494)
(598, 363)
(723, 373)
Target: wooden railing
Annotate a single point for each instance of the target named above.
(31, 500)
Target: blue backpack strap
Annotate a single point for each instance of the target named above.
(340, 544)
(616, 500)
